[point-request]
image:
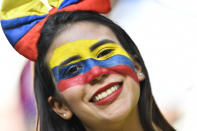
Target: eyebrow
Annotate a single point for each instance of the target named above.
(99, 43)
(76, 57)
(93, 47)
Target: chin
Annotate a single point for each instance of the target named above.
(129, 98)
(125, 104)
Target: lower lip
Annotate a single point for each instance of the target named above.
(110, 98)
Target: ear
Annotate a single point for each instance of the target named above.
(61, 109)
(139, 72)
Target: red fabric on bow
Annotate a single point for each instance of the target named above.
(25, 42)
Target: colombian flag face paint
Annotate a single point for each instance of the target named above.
(79, 62)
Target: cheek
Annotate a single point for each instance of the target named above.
(73, 95)
(133, 89)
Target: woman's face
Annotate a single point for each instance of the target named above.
(94, 74)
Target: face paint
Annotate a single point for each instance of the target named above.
(87, 64)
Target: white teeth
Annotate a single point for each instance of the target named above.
(113, 89)
(96, 98)
(105, 93)
(109, 91)
(99, 96)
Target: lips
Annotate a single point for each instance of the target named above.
(107, 94)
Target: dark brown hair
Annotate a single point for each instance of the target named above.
(150, 116)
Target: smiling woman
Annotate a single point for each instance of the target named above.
(89, 75)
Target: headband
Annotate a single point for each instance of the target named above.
(22, 20)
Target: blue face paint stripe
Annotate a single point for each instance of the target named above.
(89, 63)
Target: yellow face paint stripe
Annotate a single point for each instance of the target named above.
(82, 48)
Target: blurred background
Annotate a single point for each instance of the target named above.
(165, 33)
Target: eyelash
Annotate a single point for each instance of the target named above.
(104, 52)
(72, 70)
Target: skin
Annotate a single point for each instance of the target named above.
(122, 113)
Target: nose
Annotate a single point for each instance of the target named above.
(96, 74)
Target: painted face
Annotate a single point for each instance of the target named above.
(72, 63)
(95, 75)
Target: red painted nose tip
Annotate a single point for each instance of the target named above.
(105, 71)
(95, 72)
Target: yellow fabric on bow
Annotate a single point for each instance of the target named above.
(22, 20)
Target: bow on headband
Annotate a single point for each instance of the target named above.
(22, 20)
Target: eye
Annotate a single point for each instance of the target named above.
(104, 52)
(73, 70)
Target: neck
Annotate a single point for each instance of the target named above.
(131, 123)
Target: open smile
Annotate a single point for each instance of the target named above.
(107, 94)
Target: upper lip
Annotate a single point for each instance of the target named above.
(104, 88)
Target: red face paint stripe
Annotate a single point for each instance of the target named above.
(82, 78)
(75, 81)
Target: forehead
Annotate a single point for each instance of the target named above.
(81, 31)
(82, 49)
